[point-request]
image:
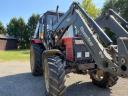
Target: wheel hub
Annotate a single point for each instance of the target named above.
(99, 75)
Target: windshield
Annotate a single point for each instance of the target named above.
(51, 19)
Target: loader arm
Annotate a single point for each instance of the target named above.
(88, 29)
(114, 22)
(118, 26)
(119, 18)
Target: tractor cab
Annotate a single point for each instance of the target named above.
(44, 26)
(72, 45)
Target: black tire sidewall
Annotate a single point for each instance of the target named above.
(32, 56)
(56, 86)
(35, 67)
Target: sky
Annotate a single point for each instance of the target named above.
(25, 8)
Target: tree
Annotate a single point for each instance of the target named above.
(120, 6)
(12, 29)
(21, 33)
(32, 22)
(2, 29)
(30, 28)
(16, 28)
(109, 4)
(90, 8)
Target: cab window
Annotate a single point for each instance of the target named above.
(41, 29)
(36, 34)
(69, 32)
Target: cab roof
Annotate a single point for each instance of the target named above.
(51, 13)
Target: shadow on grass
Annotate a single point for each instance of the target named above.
(27, 85)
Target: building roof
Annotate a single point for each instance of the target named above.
(6, 37)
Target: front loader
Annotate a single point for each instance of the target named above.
(116, 26)
(74, 42)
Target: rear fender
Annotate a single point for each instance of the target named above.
(36, 41)
(48, 53)
(51, 52)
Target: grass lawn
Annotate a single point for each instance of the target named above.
(15, 55)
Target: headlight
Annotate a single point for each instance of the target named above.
(87, 54)
(79, 42)
(79, 54)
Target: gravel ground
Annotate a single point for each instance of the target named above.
(16, 80)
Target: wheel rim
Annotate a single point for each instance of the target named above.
(46, 75)
(98, 75)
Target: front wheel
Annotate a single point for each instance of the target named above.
(103, 79)
(54, 75)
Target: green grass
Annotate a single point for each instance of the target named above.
(15, 55)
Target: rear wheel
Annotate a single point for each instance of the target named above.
(103, 79)
(54, 75)
(35, 63)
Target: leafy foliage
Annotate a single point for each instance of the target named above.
(90, 8)
(108, 5)
(12, 27)
(18, 29)
(32, 22)
(2, 29)
(121, 6)
(30, 28)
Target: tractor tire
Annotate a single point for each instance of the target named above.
(35, 62)
(107, 80)
(54, 75)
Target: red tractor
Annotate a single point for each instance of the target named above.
(74, 42)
